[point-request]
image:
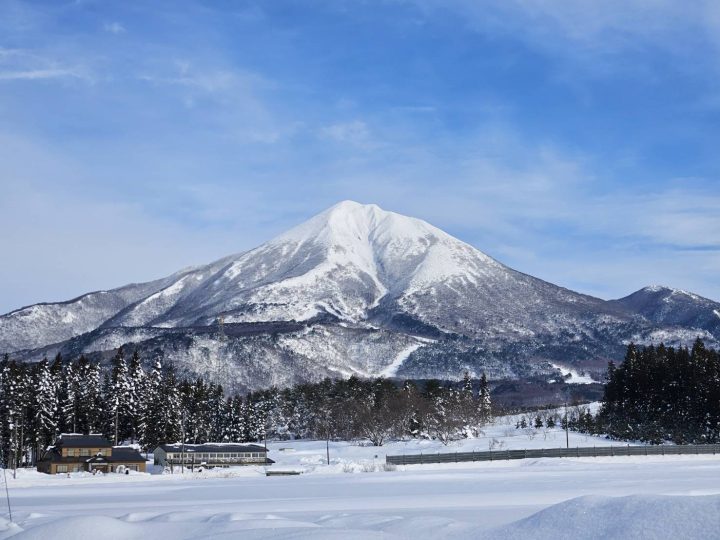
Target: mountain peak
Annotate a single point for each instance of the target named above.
(667, 291)
(345, 261)
(349, 222)
(349, 205)
(658, 288)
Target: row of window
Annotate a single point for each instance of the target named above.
(220, 455)
(78, 468)
(75, 452)
(71, 468)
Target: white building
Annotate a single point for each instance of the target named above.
(211, 454)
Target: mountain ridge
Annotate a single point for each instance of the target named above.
(352, 290)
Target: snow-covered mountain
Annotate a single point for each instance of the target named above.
(355, 289)
(668, 306)
(676, 315)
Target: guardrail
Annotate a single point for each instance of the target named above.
(587, 451)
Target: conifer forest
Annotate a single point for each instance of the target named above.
(129, 404)
(660, 394)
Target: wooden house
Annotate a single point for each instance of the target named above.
(76, 453)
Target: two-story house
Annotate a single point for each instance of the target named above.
(75, 453)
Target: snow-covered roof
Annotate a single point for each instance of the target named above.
(211, 448)
(76, 440)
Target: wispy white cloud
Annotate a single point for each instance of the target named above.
(114, 28)
(545, 210)
(100, 242)
(679, 217)
(578, 28)
(355, 132)
(232, 97)
(21, 64)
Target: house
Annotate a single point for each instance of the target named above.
(74, 453)
(211, 454)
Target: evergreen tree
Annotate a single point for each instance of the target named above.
(154, 418)
(485, 402)
(44, 406)
(67, 397)
(137, 382)
(119, 409)
(172, 409)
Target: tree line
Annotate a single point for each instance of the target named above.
(662, 394)
(128, 403)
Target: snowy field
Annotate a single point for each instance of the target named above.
(674, 497)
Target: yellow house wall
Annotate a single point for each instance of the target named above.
(53, 467)
(106, 451)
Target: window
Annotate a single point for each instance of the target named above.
(62, 468)
(84, 451)
(72, 452)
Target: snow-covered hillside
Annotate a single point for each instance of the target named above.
(356, 289)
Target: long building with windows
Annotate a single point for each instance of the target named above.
(211, 455)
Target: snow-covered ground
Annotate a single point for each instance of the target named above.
(574, 375)
(355, 497)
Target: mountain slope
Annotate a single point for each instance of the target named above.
(43, 324)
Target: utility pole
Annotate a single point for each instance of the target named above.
(7, 493)
(567, 428)
(21, 443)
(116, 421)
(221, 328)
(182, 444)
(265, 430)
(16, 445)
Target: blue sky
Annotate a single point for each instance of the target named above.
(572, 140)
